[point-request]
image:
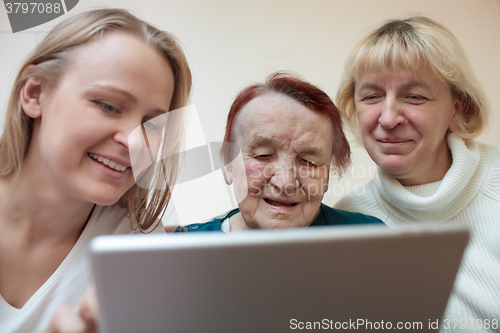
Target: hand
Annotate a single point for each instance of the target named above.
(80, 319)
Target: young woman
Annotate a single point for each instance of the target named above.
(411, 94)
(65, 167)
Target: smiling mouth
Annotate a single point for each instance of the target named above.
(109, 163)
(394, 141)
(280, 203)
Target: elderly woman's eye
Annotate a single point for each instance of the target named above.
(264, 156)
(308, 163)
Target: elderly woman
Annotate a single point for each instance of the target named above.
(410, 93)
(290, 136)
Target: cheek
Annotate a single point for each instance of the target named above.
(255, 176)
(367, 119)
(315, 188)
(139, 156)
(253, 169)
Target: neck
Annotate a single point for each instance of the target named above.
(237, 223)
(39, 210)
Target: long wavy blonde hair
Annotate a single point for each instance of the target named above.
(51, 57)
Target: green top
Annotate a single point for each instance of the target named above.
(326, 216)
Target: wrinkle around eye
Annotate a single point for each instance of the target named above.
(416, 99)
(263, 157)
(309, 163)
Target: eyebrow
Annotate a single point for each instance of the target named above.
(411, 84)
(126, 95)
(313, 151)
(123, 93)
(260, 140)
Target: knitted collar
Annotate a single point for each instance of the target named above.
(457, 189)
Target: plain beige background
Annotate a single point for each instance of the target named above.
(231, 44)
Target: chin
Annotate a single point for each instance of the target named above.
(104, 199)
(394, 167)
(279, 224)
(105, 202)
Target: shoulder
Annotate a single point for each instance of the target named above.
(363, 200)
(212, 225)
(490, 153)
(333, 216)
(490, 160)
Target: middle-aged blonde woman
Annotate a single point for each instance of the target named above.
(410, 93)
(65, 167)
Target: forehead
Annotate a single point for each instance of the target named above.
(402, 78)
(124, 62)
(280, 118)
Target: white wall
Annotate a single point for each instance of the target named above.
(231, 44)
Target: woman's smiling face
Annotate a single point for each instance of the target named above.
(404, 121)
(80, 140)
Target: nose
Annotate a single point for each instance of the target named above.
(121, 137)
(284, 178)
(131, 132)
(391, 114)
(124, 133)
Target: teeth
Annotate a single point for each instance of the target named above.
(109, 163)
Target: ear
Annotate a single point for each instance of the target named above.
(459, 107)
(29, 96)
(228, 173)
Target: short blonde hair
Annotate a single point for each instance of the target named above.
(51, 58)
(419, 45)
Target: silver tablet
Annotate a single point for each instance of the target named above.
(323, 278)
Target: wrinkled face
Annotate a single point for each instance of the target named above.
(404, 121)
(286, 152)
(111, 86)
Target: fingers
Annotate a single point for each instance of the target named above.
(88, 309)
(65, 320)
(82, 318)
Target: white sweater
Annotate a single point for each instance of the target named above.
(469, 194)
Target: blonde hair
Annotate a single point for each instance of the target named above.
(51, 57)
(419, 45)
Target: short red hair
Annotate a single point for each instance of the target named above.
(303, 92)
